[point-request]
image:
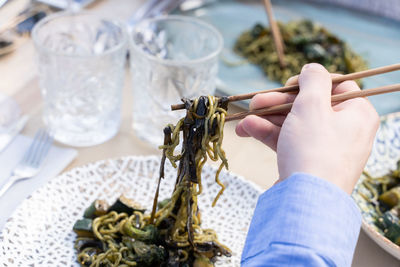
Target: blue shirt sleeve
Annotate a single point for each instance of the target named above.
(302, 221)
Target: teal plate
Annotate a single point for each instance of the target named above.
(376, 39)
(384, 156)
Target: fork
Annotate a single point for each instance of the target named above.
(31, 162)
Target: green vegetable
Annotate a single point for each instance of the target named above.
(391, 197)
(149, 233)
(124, 204)
(148, 255)
(202, 262)
(85, 242)
(385, 197)
(83, 227)
(391, 223)
(163, 203)
(97, 208)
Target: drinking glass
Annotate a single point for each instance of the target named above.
(171, 57)
(81, 60)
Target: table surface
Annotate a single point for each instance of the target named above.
(246, 156)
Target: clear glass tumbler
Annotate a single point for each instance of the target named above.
(171, 57)
(81, 60)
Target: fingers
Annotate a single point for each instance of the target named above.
(315, 90)
(295, 79)
(260, 129)
(337, 88)
(270, 99)
(334, 75)
(292, 80)
(365, 113)
(275, 119)
(240, 130)
(343, 87)
(359, 106)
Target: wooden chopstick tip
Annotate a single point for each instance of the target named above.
(177, 107)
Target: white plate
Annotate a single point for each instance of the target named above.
(384, 155)
(39, 233)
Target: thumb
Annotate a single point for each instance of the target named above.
(315, 90)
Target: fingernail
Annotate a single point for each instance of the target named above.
(312, 66)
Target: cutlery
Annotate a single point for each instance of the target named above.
(11, 132)
(31, 163)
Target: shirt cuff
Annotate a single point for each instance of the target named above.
(309, 212)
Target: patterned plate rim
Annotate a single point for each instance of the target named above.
(392, 248)
(10, 222)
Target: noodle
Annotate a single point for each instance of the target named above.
(172, 234)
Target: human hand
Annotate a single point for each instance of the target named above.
(331, 142)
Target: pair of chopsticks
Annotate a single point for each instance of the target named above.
(294, 88)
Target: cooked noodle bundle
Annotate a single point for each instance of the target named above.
(171, 235)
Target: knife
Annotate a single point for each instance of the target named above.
(8, 136)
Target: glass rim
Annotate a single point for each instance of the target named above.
(173, 62)
(39, 46)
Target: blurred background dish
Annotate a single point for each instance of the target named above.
(376, 39)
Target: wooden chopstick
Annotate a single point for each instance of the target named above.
(334, 99)
(276, 34)
(295, 88)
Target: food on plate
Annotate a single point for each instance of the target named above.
(123, 234)
(385, 197)
(305, 42)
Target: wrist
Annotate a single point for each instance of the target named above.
(343, 183)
